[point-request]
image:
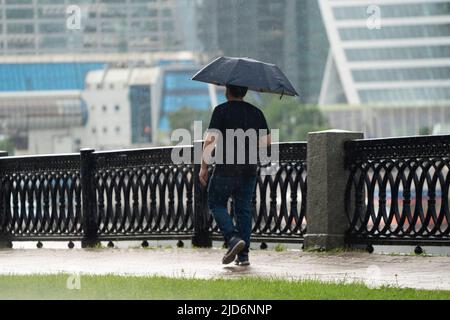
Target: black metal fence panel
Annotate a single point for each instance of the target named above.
(398, 190)
(279, 202)
(138, 194)
(142, 192)
(41, 196)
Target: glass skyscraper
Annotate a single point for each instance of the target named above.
(91, 26)
(289, 33)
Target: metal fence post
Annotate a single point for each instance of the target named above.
(5, 241)
(202, 235)
(89, 220)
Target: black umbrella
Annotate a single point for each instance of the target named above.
(255, 75)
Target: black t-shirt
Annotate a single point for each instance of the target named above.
(239, 123)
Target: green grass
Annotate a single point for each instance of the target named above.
(280, 248)
(126, 287)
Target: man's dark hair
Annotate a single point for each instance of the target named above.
(237, 91)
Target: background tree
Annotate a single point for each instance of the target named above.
(293, 119)
(6, 145)
(184, 118)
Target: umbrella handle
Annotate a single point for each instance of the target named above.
(282, 94)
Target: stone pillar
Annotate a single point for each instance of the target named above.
(326, 183)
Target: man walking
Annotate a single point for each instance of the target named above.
(237, 129)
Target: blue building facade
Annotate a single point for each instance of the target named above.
(180, 91)
(45, 76)
(141, 117)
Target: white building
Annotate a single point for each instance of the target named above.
(129, 107)
(42, 122)
(107, 96)
(387, 52)
(43, 107)
(390, 121)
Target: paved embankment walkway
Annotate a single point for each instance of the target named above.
(374, 269)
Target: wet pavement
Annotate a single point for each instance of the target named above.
(426, 272)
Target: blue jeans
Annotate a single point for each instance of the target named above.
(241, 188)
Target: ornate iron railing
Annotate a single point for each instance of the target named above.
(398, 190)
(141, 192)
(138, 194)
(279, 203)
(41, 197)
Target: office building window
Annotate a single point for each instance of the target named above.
(399, 74)
(19, 13)
(395, 32)
(19, 1)
(418, 95)
(393, 11)
(18, 28)
(400, 53)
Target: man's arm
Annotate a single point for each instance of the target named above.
(265, 141)
(206, 157)
(211, 137)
